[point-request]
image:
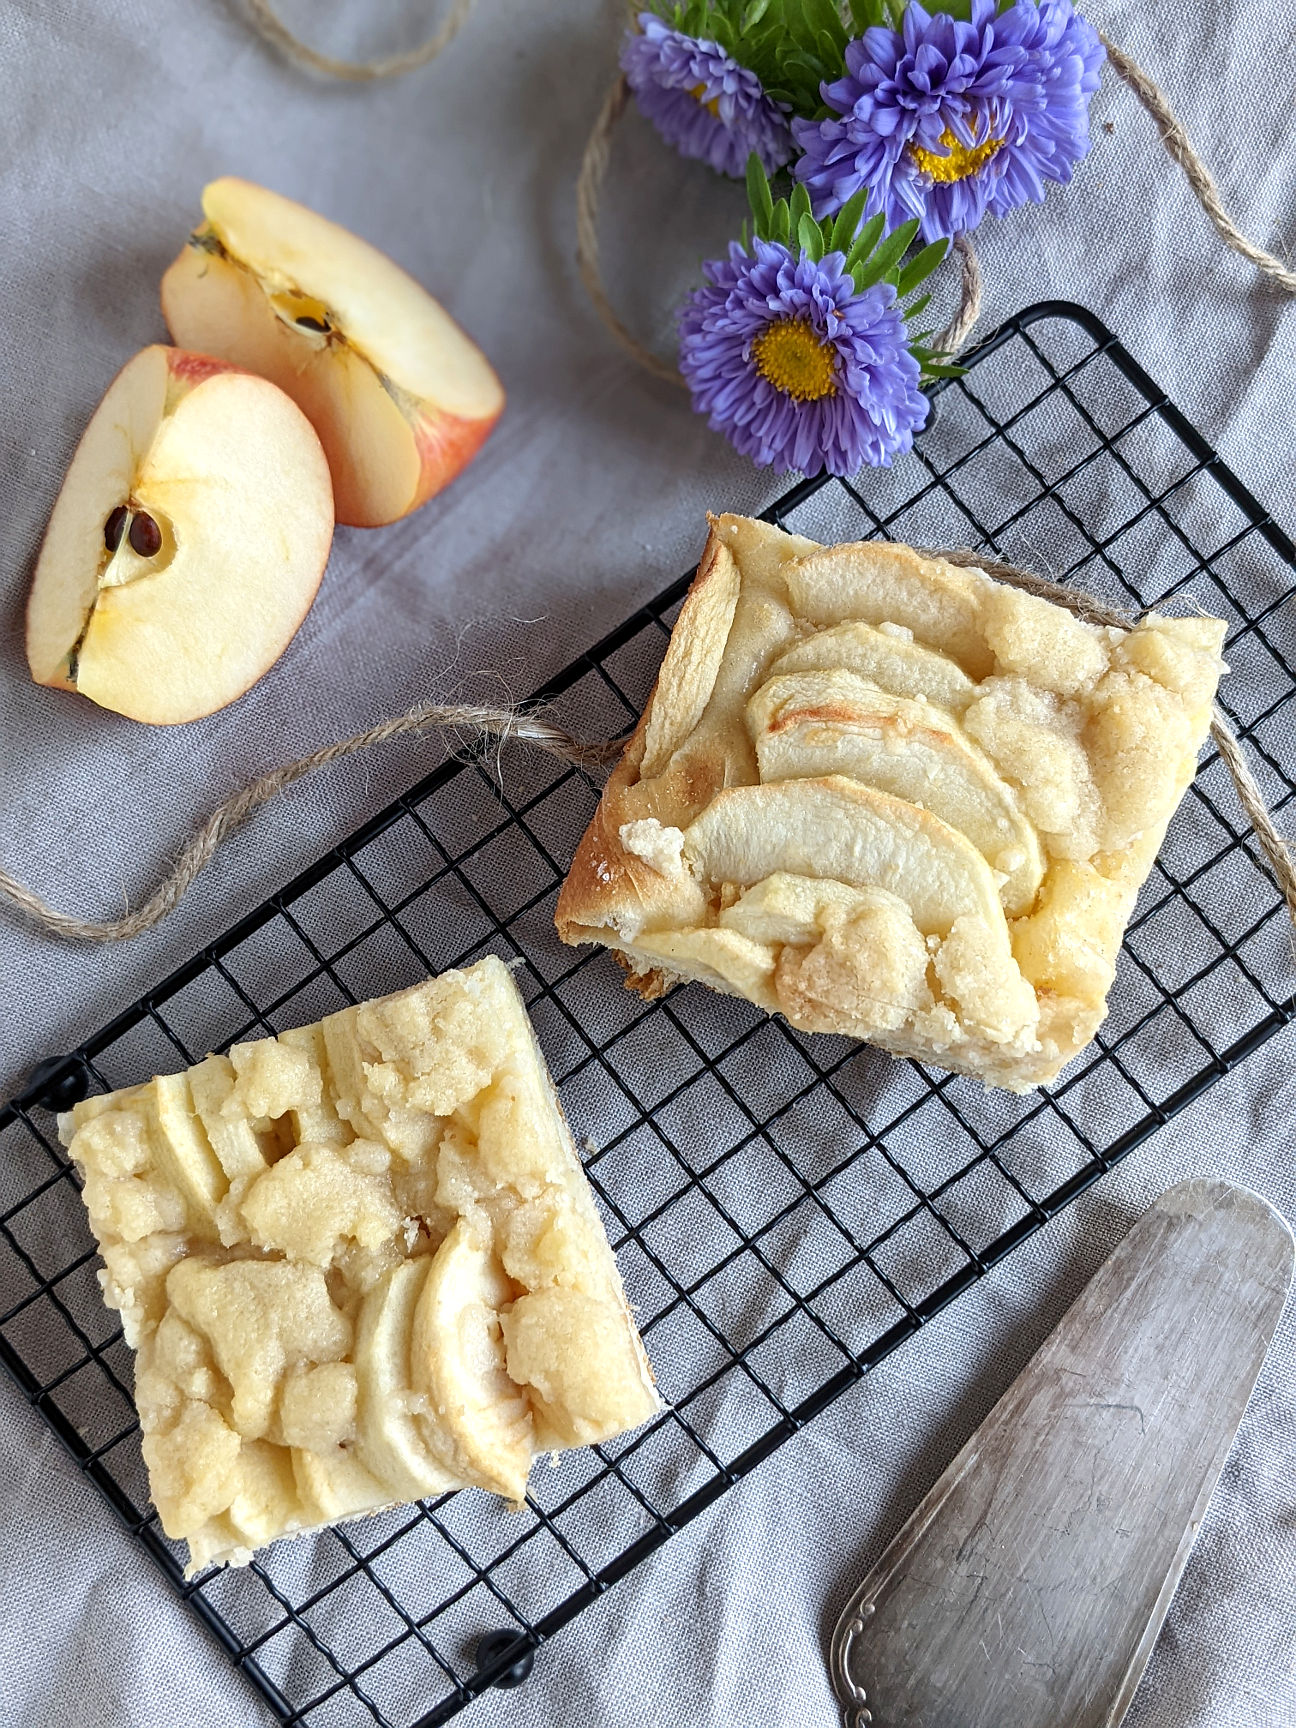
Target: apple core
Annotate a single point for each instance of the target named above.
(141, 545)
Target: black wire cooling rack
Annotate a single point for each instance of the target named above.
(786, 1209)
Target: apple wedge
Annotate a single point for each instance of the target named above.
(808, 724)
(838, 829)
(725, 958)
(400, 396)
(479, 1418)
(880, 583)
(333, 1485)
(186, 1153)
(229, 1133)
(187, 542)
(892, 661)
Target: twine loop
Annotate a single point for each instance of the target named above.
(534, 727)
(589, 191)
(529, 726)
(272, 27)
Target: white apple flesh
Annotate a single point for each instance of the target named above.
(186, 544)
(402, 399)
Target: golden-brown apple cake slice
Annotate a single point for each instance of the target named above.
(359, 1264)
(892, 798)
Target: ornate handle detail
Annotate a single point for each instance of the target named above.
(850, 1694)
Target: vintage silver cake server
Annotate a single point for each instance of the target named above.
(1029, 1586)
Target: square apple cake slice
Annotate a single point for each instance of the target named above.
(359, 1264)
(892, 798)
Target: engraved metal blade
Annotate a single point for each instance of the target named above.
(1028, 1588)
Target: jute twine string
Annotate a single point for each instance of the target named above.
(534, 728)
(275, 31)
(485, 722)
(1179, 148)
(589, 188)
(960, 326)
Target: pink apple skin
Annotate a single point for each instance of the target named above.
(191, 369)
(446, 445)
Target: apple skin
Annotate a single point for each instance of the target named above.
(228, 465)
(446, 445)
(187, 369)
(401, 398)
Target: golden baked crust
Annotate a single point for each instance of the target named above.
(359, 1264)
(892, 798)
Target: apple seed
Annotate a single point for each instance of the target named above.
(117, 520)
(317, 325)
(145, 536)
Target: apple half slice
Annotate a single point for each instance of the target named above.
(837, 829)
(879, 583)
(334, 1485)
(388, 1443)
(400, 396)
(480, 1420)
(186, 545)
(890, 660)
(809, 724)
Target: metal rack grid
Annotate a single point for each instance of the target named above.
(786, 1209)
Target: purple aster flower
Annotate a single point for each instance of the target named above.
(701, 100)
(795, 366)
(952, 121)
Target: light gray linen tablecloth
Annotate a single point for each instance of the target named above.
(588, 498)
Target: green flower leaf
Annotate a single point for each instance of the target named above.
(919, 306)
(867, 14)
(865, 241)
(886, 255)
(810, 238)
(824, 18)
(799, 204)
(828, 49)
(759, 196)
(848, 220)
(920, 267)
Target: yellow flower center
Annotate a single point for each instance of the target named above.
(959, 160)
(796, 360)
(712, 107)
